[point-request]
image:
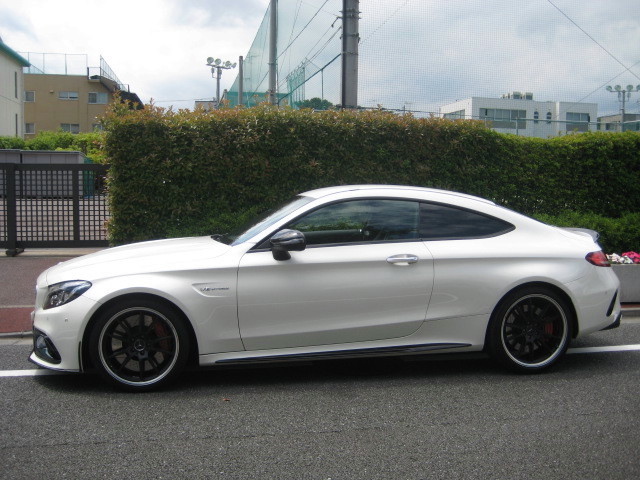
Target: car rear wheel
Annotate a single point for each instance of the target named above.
(530, 329)
(138, 345)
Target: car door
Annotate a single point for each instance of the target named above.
(365, 275)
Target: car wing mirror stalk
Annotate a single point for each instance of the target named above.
(286, 241)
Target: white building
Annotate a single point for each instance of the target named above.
(519, 114)
(11, 92)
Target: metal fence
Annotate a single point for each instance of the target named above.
(57, 206)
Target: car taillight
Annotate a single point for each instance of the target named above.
(599, 259)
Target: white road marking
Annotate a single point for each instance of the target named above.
(29, 373)
(610, 348)
(613, 348)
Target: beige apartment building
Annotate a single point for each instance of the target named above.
(69, 102)
(72, 103)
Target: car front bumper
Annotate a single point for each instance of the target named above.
(57, 334)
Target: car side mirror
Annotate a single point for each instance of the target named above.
(286, 241)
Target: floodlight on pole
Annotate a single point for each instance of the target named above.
(624, 94)
(216, 72)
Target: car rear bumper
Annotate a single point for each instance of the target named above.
(599, 306)
(615, 324)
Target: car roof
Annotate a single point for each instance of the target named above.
(396, 189)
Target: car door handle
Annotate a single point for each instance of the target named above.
(403, 259)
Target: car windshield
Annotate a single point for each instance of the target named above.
(262, 221)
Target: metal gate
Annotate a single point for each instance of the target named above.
(49, 205)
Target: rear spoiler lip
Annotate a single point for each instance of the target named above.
(592, 233)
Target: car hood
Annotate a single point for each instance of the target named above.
(143, 257)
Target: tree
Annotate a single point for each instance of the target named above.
(315, 104)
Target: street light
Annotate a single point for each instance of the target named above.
(216, 70)
(624, 94)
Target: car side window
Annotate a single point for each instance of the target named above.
(443, 222)
(360, 221)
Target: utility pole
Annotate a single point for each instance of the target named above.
(350, 39)
(273, 51)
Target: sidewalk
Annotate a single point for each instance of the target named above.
(17, 285)
(18, 279)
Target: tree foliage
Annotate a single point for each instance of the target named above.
(90, 144)
(315, 103)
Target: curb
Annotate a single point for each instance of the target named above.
(56, 252)
(16, 335)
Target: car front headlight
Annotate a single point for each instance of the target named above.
(64, 292)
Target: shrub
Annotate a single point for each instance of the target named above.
(15, 143)
(175, 173)
(616, 234)
(90, 144)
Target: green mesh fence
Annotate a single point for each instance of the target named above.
(422, 55)
(308, 55)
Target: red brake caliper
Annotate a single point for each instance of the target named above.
(161, 332)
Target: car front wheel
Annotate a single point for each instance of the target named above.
(530, 329)
(138, 345)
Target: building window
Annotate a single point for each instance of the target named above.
(96, 127)
(29, 128)
(98, 97)
(455, 115)
(501, 118)
(70, 127)
(536, 116)
(30, 96)
(68, 95)
(577, 122)
(548, 117)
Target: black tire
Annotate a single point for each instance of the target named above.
(139, 344)
(530, 330)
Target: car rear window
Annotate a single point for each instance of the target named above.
(443, 222)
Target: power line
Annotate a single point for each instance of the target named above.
(627, 69)
(293, 27)
(315, 55)
(375, 30)
(303, 29)
(603, 85)
(308, 60)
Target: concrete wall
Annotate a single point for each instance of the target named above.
(10, 102)
(629, 276)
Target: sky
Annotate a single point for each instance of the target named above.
(417, 54)
(158, 47)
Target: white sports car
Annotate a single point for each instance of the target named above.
(336, 272)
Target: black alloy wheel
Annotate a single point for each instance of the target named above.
(139, 345)
(530, 330)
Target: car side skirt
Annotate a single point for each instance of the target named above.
(268, 357)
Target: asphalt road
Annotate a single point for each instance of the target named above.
(383, 419)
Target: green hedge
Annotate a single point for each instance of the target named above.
(617, 235)
(185, 173)
(91, 144)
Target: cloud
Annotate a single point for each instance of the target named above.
(412, 52)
